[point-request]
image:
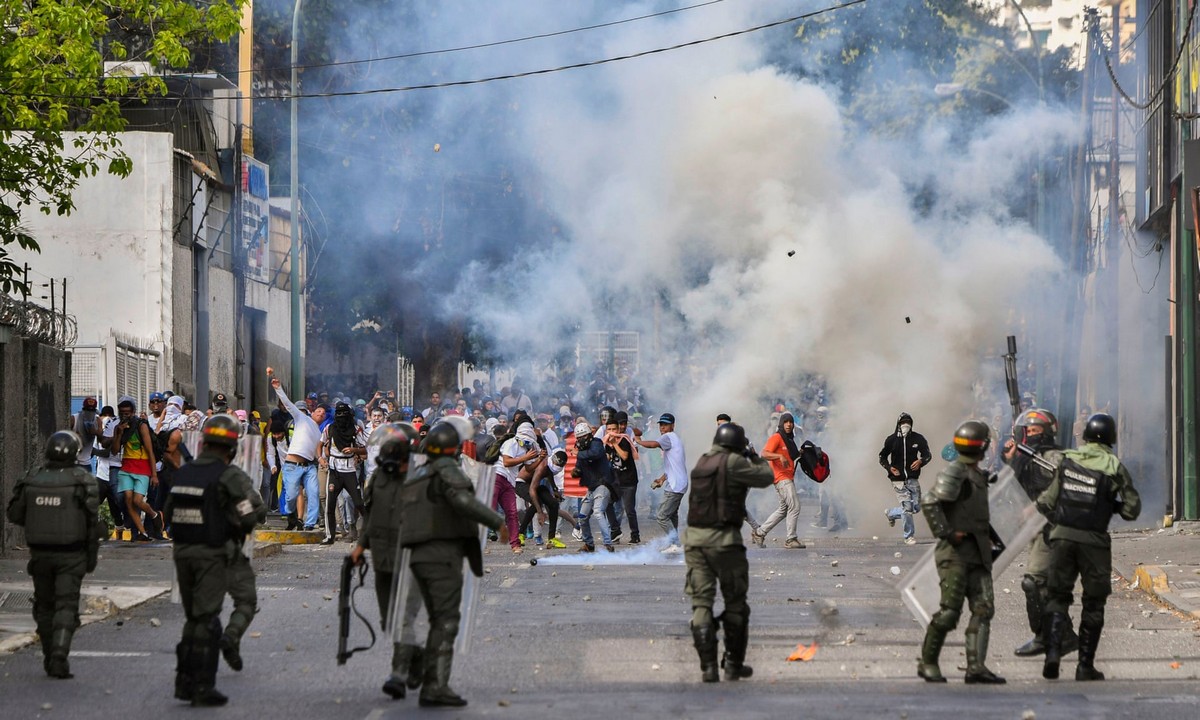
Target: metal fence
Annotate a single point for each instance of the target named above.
(405, 381)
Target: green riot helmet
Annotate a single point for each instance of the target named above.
(1036, 417)
(394, 441)
(972, 439)
(731, 436)
(1101, 428)
(63, 448)
(221, 429)
(442, 441)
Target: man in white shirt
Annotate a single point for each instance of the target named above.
(299, 467)
(515, 452)
(675, 477)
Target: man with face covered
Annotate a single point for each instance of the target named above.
(903, 455)
(343, 445)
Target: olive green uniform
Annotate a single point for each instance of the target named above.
(1034, 479)
(958, 503)
(202, 568)
(381, 535)
(714, 554)
(440, 516)
(1084, 552)
(58, 507)
(240, 576)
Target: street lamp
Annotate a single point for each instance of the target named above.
(949, 89)
(297, 387)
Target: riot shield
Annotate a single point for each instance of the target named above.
(249, 453)
(1015, 521)
(485, 486)
(407, 622)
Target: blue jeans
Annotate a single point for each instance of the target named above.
(596, 502)
(908, 494)
(295, 476)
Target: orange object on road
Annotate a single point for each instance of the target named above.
(802, 653)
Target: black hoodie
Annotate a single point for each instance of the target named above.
(899, 451)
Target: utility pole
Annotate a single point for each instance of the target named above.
(297, 388)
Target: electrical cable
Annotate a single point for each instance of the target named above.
(509, 76)
(1112, 75)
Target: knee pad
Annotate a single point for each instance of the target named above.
(984, 611)
(945, 620)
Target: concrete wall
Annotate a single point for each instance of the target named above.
(222, 363)
(183, 322)
(35, 381)
(111, 248)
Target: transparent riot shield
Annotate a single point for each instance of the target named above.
(1015, 521)
(249, 453)
(407, 623)
(485, 486)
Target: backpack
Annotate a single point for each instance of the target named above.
(492, 456)
(814, 462)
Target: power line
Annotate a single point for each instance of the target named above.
(497, 43)
(573, 66)
(494, 78)
(1112, 75)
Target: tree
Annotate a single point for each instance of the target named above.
(53, 81)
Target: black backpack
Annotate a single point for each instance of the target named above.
(492, 456)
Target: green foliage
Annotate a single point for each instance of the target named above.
(52, 55)
(885, 59)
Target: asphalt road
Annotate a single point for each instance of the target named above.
(606, 636)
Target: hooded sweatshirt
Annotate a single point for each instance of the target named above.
(900, 449)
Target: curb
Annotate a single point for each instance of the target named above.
(289, 537)
(96, 603)
(265, 550)
(1154, 581)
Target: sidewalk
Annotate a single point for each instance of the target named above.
(127, 575)
(1162, 563)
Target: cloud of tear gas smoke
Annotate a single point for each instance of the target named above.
(681, 182)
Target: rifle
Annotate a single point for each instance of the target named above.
(346, 606)
(1010, 377)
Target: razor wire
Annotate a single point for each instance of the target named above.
(38, 323)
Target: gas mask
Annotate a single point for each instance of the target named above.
(905, 429)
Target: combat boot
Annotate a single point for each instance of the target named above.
(402, 662)
(737, 636)
(705, 639)
(60, 646)
(977, 645)
(931, 650)
(416, 667)
(1053, 629)
(436, 691)
(205, 657)
(1036, 612)
(231, 651)
(293, 522)
(184, 687)
(1089, 639)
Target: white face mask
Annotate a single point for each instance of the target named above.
(904, 429)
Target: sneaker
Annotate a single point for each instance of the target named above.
(910, 541)
(616, 538)
(635, 539)
(610, 548)
(555, 543)
(839, 528)
(794, 544)
(672, 549)
(156, 527)
(537, 540)
(577, 533)
(818, 525)
(891, 520)
(309, 528)
(587, 549)
(328, 541)
(492, 536)
(521, 539)
(138, 537)
(758, 538)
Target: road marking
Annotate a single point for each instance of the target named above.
(104, 654)
(374, 714)
(508, 582)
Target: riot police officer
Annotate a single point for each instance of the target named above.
(440, 516)
(1089, 486)
(1037, 429)
(957, 512)
(381, 535)
(209, 510)
(58, 506)
(714, 551)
